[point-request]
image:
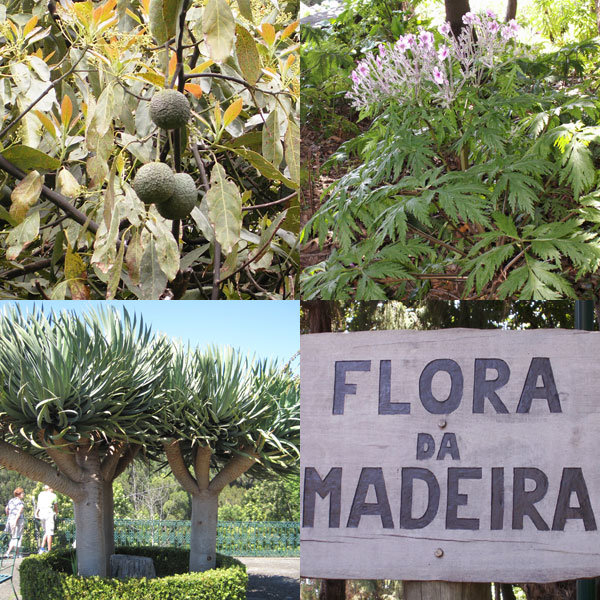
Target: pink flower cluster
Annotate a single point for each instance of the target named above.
(414, 66)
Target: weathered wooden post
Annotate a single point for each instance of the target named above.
(584, 319)
(319, 321)
(453, 456)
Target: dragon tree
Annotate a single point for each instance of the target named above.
(78, 398)
(227, 415)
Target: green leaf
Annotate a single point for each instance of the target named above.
(247, 55)
(245, 9)
(218, 27)
(152, 278)
(27, 158)
(224, 208)
(579, 169)
(75, 274)
(102, 118)
(163, 16)
(506, 225)
(167, 249)
(25, 195)
(292, 150)
(272, 148)
(115, 274)
(22, 235)
(264, 167)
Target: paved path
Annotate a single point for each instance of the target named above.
(272, 578)
(6, 591)
(269, 579)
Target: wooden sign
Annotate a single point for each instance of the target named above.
(456, 455)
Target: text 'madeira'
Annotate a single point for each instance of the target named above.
(455, 455)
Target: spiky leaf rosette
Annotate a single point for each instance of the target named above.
(64, 378)
(170, 109)
(223, 400)
(183, 200)
(154, 183)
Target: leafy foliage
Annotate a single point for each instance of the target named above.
(49, 575)
(75, 127)
(497, 192)
(265, 500)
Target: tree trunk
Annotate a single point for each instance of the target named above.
(444, 590)
(455, 9)
(332, 589)
(598, 16)
(109, 518)
(319, 315)
(561, 590)
(89, 526)
(203, 535)
(511, 10)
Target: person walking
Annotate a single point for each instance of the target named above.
(47, 509)
(15, 520)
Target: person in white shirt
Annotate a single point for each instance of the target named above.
(46, 510)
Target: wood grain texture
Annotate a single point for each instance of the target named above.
(370, 542)
(444, 590)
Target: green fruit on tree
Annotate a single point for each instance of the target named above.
(154, 183)
(183, 200)
(170, 109)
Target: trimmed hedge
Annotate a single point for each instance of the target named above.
(48, 576)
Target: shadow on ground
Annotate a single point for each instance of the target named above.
(272, 587)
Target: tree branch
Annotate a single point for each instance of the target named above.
(65, 461)
(267, 204)
(202, 466)
(14, 459)
(178, 467)
(235, 80)
(126, 459)
(24, 270)
(252, 258)
(111, 460)
(57, 199)
(233, 469)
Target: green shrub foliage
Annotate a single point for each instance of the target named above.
(48, 576)
(487, 174)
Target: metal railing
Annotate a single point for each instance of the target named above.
(236, 538)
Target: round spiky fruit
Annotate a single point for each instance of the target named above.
(154, 182)
(170, 109)
(183, 200)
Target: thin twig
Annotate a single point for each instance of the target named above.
(267, 204)
(236, 80)
(434, 240)
(256, 256)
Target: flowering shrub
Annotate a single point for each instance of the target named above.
(479, 169)
(415, 68)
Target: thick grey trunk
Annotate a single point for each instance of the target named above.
(203, 536)
(444, 590)
(109, 518)
(89, 524)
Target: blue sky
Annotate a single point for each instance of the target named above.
(267, 328)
